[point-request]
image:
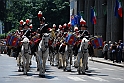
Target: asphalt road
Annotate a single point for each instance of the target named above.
(97, 73)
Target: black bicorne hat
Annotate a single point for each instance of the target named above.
(25, 24)
(42, 19)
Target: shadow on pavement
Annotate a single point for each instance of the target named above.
(90, 73)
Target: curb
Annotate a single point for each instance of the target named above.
(107, 63)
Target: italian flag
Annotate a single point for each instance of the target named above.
(120, 9)
(93, 16)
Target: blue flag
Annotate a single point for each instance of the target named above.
(70, 39)
(116, 8)
(72, 20)
(76, 19)
(93, 16)
(11, 40)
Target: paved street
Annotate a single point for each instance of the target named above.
(97, 73)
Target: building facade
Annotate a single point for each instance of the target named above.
(1, 27)
(107, 24)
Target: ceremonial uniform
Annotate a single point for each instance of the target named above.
(19, 33)
(43, 26)
(27, 33)
(27, 29)
(84, 33)
(83, 29)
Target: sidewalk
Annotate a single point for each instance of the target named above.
(102, 60)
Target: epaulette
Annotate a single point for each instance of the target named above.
(45, 24)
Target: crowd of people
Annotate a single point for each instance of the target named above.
(114, 51)
(25, 29)
(2, 46)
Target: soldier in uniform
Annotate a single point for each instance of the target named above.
(77, 43)
(84, 33)
(41, 30)
(83, 29)
(26, 29)
(58, 37)
(43, 26)
(52, 31)
(19, 33)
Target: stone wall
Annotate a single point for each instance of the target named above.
(108, 25)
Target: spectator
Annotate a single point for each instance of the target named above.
(110, 50)
(119, 53)
(113, 51)
(105, 50)
(123, 54)
(122, 46)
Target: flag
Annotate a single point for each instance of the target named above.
(97, 42)
(93, 16)
(13, 41)
(76, 19)
(100, 40)
(70, 39)
(72, 20)
(118, 9)
(8, 39)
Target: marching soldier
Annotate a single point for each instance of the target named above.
(19, 32)
(40, 31)
(26, 29)
(53, 31)
(69, 27)
(83, 32)
(43, 25)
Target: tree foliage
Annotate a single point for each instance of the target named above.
(2, 8)
(55, 11)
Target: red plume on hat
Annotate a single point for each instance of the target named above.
(75, 28)
(54, 25)
(69, 24)
(21, 22)
(39, 14)
(27, 21)
(60, 26)
(49, 29)
(30, 26)
(82, 21)
(64, 26)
